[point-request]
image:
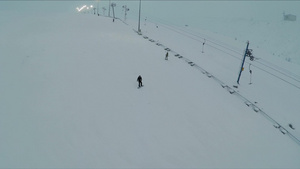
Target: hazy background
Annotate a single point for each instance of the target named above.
(242, 20)
(177, 11)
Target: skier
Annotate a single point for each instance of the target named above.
(167, 54)
(139, 79)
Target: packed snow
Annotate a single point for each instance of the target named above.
(69, 97)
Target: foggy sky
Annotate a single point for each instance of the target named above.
(175, 12)
(180, 10)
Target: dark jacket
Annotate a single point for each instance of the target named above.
(139, 79)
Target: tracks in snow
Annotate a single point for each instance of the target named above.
(231, 90)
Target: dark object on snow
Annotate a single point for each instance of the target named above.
(291, 126)
(167, 55)
(289, 17)
(250, 74)
(139, 79)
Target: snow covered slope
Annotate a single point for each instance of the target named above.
(272, 81)
(260, 22)
(69, 99)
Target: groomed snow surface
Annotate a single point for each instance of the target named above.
(69, 99)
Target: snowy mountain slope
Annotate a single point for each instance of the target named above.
(260, 22)
(276, 37)
(267, 78)
(69, 99)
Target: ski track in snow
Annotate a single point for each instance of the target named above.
(289, 131)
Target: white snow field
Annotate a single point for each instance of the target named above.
(69, 99)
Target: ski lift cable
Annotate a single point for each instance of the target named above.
(279, 71)
(240, 59)
(198, 36)
(280, 68)
(193, 34)
(276, 76)
(175, 29)
(216, 43)
(191, 37)
(208, 39)
(255, 108)
(273, 121)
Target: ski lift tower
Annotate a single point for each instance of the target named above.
(248, 52)
(139, 25)
(113, 5)
(98, 7)
(109, 8)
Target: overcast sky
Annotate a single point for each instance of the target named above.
(163, 7)
(179, 12)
